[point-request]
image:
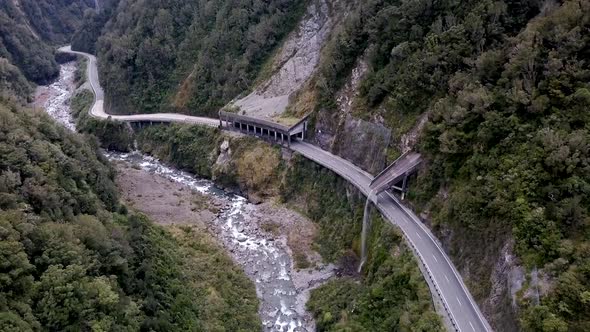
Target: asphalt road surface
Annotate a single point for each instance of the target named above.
(395, 173)
(440, 272)
(459, 304)
(98, 107)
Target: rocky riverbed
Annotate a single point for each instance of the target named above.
(171, 196)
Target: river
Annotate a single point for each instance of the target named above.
(266, 259)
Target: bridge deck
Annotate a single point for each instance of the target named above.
(395, 172)
(445, 281)
(263, 128)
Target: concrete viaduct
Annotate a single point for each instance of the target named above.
(274, 132)
(450, 295)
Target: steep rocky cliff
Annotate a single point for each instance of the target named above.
(493, 94)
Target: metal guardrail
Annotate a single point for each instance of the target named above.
(422, 261)
(412, 245)
(455, 272)
(384, 212)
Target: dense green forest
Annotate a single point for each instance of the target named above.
(505, 87)
(73, 259)
(503, 84)
(393, 295)
(91, 28)
(188, 56)
(30, 28)
(12, 83)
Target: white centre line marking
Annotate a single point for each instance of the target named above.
(435, 258)
(419, 235)
(447, 279)
(472, 326)
(461, 304)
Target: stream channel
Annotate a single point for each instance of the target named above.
(282, 291)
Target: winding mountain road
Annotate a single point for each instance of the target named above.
(445, 283)
(97, 109)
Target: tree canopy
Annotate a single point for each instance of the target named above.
(72, 258)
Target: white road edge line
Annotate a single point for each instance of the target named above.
(356, 183)
(455, 272)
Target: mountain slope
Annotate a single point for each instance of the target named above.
(492, 94)
(73, 259)
(28, 28)
(191, 56)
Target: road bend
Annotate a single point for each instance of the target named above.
(439, 271)
(98, 111)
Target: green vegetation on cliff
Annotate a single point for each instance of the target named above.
(189, 56)
(12, 82)
(393, 294)
(29, 28)
(391, 297)
(91, 28)
(513, 144)
(248, 163)
(191, 148)
(72, 259)
(505, 87)
(112, 135)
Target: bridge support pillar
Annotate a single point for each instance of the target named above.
(404, 186)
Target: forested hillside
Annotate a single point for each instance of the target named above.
(504, 88)
(29, 29)
(188, 56)
(93, 22)
(13, 85)
(73, 259)
(493, 93)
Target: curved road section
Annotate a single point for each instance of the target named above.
(442, 276)
(98, 111)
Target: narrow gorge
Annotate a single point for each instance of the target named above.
(255, 236)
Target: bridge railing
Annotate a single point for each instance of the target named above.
(422, 262)
(245, 119)
(376, 183)
(474, 305)
(234, 117)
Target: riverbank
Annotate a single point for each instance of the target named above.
(261, 239)
(390, 293)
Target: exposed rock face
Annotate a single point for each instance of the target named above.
(362, 142)
(223, 162)
(507, 278)
(294, 64)
(346, 96)
(409, 139)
